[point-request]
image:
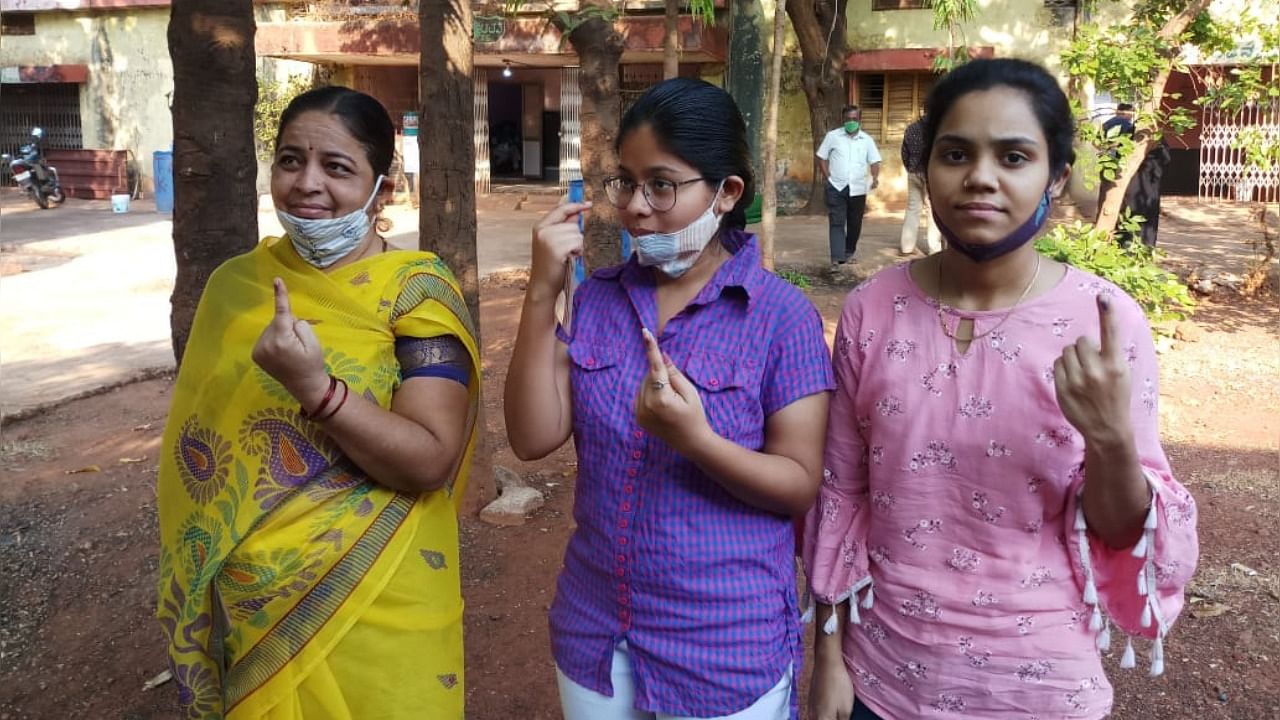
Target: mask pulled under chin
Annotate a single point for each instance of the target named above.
(324, 241)
(675, 252)
(986, 252)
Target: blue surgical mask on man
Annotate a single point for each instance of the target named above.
(324, 241)
(675, 252)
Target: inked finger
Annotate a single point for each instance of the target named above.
(282, 298)
(657, 368)
(1108, 329)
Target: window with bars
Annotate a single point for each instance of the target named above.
(55, 107)
(1062, 13)
(900, 4)
(890, 102)
(636, 79)
(18, 23)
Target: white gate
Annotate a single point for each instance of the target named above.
(570, 126)
(480, 115)
(1224, 170)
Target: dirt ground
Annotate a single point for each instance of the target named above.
(78, 547)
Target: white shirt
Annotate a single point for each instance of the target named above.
(849, 157)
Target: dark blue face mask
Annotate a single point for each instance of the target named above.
(981, 253)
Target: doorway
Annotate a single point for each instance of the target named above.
(506, 140)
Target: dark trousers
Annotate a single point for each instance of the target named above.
(844, 215)
(862, 712)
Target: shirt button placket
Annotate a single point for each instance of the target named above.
(622, 540)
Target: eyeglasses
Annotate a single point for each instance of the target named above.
(660, 193)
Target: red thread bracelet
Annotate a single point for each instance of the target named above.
(346, 391)
(333, 385)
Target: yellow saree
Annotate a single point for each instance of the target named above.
(291, 585)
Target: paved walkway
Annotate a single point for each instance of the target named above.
(91, 307)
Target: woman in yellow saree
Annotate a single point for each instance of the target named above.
(316, 448)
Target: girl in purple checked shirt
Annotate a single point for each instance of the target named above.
(694, 384)
(995, 499)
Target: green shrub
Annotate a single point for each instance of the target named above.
(795, 277)
(1162, 296)
(273, 97)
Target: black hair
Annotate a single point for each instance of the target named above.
(700, 124)
(1045, 96)
(848, 109)
(1124, 107)
(364, 117)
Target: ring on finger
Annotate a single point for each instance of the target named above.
(658, 384)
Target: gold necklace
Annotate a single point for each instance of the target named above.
(942, 320)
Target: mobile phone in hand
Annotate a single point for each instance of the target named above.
(575, 269)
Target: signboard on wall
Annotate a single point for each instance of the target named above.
(409, 158)
(488, 28)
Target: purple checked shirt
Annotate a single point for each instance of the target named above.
(700, 585)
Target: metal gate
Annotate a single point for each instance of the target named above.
(570, 126)
(480, 136)
(55, 107)
(1225, 173)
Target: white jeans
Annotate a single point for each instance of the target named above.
(579, 703)
(917, 198)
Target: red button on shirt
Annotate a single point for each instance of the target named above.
(637, 434)
(621, 559)
(628, 489)
(636, 454)
(632, 472)
(626, 507)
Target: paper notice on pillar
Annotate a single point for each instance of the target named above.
(409, 153)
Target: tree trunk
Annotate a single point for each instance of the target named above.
(599, 47)
(820, 32)
(769, 174)
(1146, 138)
(215, 212)
(447, 215)
(671, 41)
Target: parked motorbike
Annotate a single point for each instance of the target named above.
(33, 174)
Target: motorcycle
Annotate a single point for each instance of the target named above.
(35, 176)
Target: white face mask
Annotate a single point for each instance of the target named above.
(675, 252)
(324, 241)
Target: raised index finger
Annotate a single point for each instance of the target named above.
(282, 299)
(657, 368)
(1109, 332)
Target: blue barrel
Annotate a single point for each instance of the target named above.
(162, 164)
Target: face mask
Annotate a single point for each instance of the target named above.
(985, 253)
(675, 252)
(324, 241)
(851, 126)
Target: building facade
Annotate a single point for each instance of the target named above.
(525, 73)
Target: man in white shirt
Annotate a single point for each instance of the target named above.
(850, 160)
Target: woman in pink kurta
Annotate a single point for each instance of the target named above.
(996, 502)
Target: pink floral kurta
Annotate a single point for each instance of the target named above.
(949, 510)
